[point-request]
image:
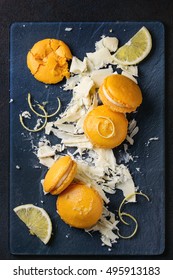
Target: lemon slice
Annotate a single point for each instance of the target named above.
(36, 219)
(136, 49)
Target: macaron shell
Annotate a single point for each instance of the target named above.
(111, 105)
(123, 91)
(56, 172)
(61, 49)
(67, 181)
(47, 60)
(80, 206)
(98, 116)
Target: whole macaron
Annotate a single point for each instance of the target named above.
(80, 206)
(60, 175)
(105, 128)
(120, 93)
(48, 60)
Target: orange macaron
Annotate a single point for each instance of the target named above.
(80, 206)
(48, 60)
(105, 128)
(60, 175)
(120, 93)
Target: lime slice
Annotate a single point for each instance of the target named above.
(136, 49)
(36, 219)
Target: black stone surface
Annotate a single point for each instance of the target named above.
(51, 11)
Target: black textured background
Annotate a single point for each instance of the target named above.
(87, 10)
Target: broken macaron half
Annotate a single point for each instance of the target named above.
(48, 61)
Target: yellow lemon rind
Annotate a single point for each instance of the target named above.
(126, 46)
(41, 115)
(38, 129)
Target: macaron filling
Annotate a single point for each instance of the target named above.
(60, 175)
(64, 177)
(112, 100)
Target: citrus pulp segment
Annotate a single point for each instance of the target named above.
(36, 219)
(136, 49)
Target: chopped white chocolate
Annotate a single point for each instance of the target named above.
(68, 29)
(130, 140)
(38, 124)
(48, 127)
(26, 115)
(132, 125)
(124, 73)
(134, 132)
(71, 82)
(48, 162)
(98, 76)
(106, 226)
(18, 167)
(83, 88)
(100, 58)
(127, 186)
(132, 70)
(77, 66)
(45, 151)
(111, 43)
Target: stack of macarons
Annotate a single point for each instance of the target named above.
(77, 204)
(106, 125)
(120, 94)
(60, 175)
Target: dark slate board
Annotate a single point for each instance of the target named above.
(25, 184)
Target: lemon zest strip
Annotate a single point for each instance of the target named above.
(126, 199)
(136, 227)
(113, 131)
(41, 115)
(41, 127)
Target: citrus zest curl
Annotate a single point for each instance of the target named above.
(113, 131)
(136, 226)
(41, 115)
(121, 214)
(41, 127)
